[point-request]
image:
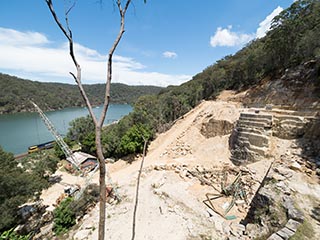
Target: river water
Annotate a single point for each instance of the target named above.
(20, 130)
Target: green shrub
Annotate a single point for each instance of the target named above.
(133, 140)
(64, 217)
(70, 209)
(11, 235)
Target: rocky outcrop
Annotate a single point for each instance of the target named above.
(312, 136)
(33, 217)
(250, 140)
(285, 233)
(295, 88)
(213, 128)
(290, 124)
(273, 211)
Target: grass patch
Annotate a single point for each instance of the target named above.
(264, 237)
(304, 232)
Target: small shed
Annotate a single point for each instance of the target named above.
(85, 161)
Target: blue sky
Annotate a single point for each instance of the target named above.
(166, 41)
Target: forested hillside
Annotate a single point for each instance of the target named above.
(15, 94)
(292, 41)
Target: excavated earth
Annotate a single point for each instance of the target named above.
(190, 161)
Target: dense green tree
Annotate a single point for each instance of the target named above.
(133, 140)
(294, 35)
(18, 184)
(80, 128)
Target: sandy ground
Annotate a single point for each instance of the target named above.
(170, 204)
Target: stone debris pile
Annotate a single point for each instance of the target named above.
(300, 161)
(178, 150)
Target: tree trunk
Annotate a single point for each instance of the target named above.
(98, 123)
(102, 184)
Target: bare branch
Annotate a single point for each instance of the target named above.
(70, 8)
(49, 3)
(74, 76)
(126, 6)
(109, 61)
(67, 18)
(119, 6)
(68, 34)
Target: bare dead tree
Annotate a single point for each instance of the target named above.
(137, 190)
(98, 122)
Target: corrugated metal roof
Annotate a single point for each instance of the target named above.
(80, 157)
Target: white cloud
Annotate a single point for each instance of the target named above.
(13, 37)
(169, 54)
(265, 25)
(30, 55)
(225, 37)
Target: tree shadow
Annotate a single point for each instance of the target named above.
(310, 145)
(315, 213)
(55, 179)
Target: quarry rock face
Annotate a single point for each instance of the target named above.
(213, 128)
(290, 126)
(296, 89)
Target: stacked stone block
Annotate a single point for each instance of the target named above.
(251, 137)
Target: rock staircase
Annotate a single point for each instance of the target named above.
(251, 137)
(250, 140)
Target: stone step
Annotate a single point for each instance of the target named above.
(250, 130)
(291, 125)
(253, 124)
(237, 161)
(263, 151)
(254, 139)
(244, 140)
(256, 116)
(245, 155)
(263, 120)
(290, 122)
(259, 131)
(295, 113)
(246, 145)
(289, 117)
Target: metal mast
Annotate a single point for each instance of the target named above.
(64, 147)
